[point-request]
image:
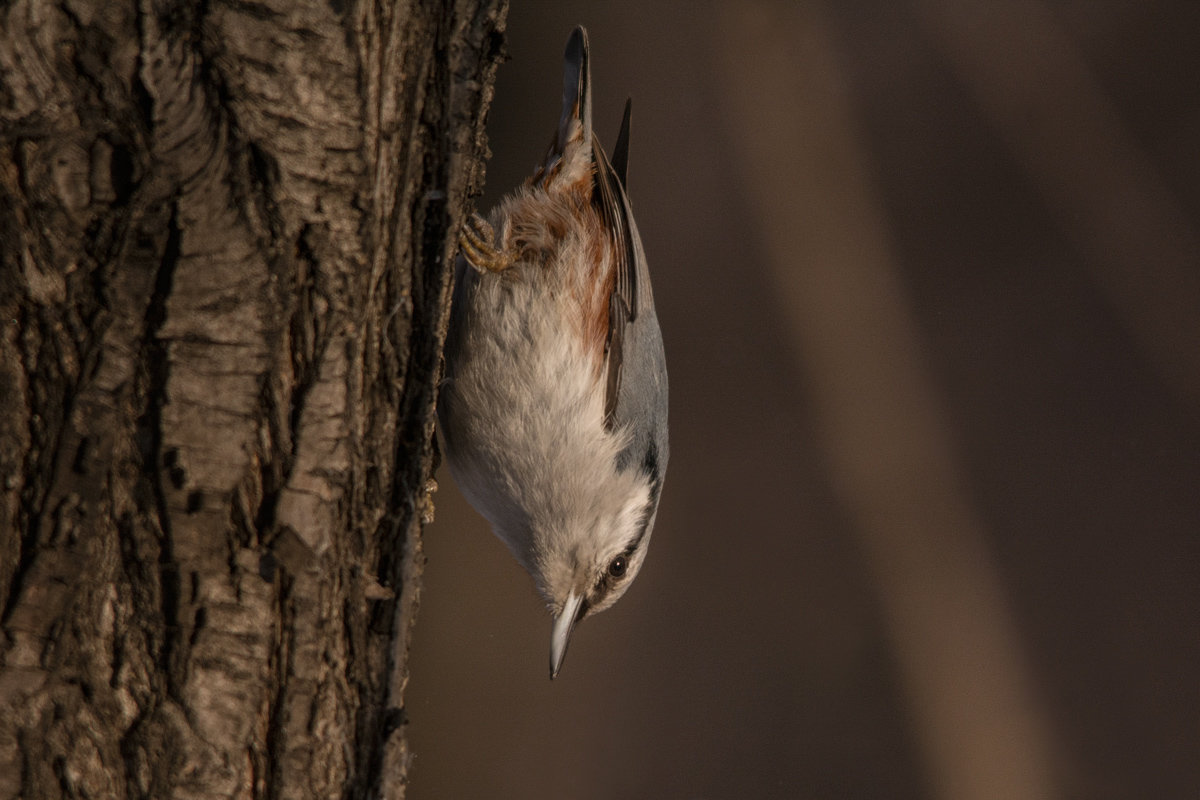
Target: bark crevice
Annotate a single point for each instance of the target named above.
(227, 233)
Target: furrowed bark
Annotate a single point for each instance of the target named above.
(226, 232)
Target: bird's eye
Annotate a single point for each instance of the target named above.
(618, 566)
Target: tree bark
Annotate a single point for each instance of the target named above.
(226, 231)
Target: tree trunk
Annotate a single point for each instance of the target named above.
(225, 241)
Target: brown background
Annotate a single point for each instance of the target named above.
(927, 275)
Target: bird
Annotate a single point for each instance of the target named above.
(553, 404)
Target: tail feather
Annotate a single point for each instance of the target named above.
(577, 90)
(620, 156)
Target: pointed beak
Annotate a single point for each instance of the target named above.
(560, 634)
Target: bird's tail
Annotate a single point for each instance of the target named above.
(577, 91)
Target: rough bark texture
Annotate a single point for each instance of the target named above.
(225, 235)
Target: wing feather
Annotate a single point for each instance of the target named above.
(613, 205)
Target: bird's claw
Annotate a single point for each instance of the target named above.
(476, 242)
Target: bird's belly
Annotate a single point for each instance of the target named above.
(523, 398)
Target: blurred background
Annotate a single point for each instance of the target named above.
(929, 278)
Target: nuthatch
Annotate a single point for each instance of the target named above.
(554, 406)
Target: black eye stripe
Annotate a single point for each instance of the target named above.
(652, 469)
(650, 463)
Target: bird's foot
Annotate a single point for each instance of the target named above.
(477, 243)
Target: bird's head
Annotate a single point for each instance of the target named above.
(585, 558)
